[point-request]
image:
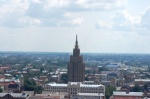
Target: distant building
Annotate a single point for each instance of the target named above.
(13, 87)
(89, 96)
(76, 67)
(113, 82)
(4, 83)
(126, 95)
(106, 83)
(141, 82)
(13, 96)
(75, 89)
(45, 96)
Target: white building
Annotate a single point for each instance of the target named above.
(75, 88)
(89, 96)
(141, 81)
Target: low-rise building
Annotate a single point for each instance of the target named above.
(74, 88)
(13, 87)
(4, 83)
(126, 95)
(13, 96)
(89, 96)
(141, 81)
(45, 96)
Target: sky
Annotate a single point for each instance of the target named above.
(102, 26)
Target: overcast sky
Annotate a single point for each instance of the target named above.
(102, 26)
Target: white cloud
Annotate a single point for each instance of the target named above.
(121, 21)
(11, 11)
(50, 12)
(103, 25)
(77, 21)
(29, 21)
(74, 20)
(56, 4)
(125, 22)
(145, 19)
(101, 4)
(36, 1)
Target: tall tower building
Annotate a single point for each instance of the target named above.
(76, 67)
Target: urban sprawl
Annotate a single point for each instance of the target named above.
(33, 75)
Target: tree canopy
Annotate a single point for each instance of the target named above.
(109, 91)
(38, 90)
(29, 84)
(136, 88)
(64, 78)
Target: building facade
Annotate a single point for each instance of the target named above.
(76, 67)
(141, 82)
(126, 95)
(74, 88)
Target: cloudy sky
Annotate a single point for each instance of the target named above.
(103, 26)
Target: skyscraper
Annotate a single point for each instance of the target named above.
(76, 67)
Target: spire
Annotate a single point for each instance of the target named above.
(76, 50)
(76, 42)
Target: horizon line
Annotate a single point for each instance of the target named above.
(71, 52)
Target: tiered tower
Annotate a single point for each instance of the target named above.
(76, 67)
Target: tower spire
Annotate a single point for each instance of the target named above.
(76, 42)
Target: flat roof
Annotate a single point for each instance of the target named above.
(116, 93)
(90, 94)
(57, 85)
(88, 81)
(146, 80)
(73, 83)
(84, 85)
(106, 81)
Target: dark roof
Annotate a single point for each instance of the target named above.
(13, 86)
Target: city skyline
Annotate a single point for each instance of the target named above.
(113, 26)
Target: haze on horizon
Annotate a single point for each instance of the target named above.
(102, 26)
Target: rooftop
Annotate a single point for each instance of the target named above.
(91, 94)
(145, 80)
(14, 94)
(84, 85)
(73, 84)
(56, 84)
(127, 94)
